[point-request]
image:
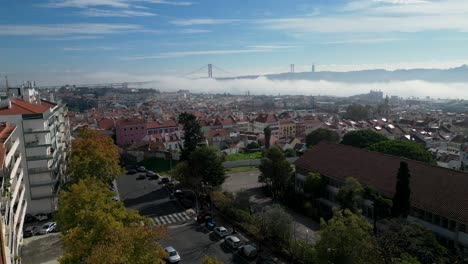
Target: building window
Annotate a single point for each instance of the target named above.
(463, 228)
(131, 128)
(125, 129)
(444, 223)
(452, 225)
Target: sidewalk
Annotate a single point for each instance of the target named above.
(44, 249)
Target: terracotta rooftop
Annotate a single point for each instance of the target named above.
(266, 118)
(20, 107)
(155, 124)
(434, 189)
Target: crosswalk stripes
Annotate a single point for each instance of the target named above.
(171, 219)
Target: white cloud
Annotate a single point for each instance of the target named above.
(101, 48)
(363, 40)
(93, 12)
(67, 29)
(179, 54)
(193, 31)
(202, 21)
(69, 38)
(110, 3)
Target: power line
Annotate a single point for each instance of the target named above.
(192, 72)
(216, 67)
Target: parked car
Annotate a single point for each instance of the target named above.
(165, 179)
(232, 241)
(249, 250)
(28, 218)
(141, 169)
(48, 228)
(221, 231)
(173, 255)
(131, 172)
(30, 231)
(115, 199)
(203, 216)
(41, 217)
(210, 224)
(178, 193)
(141, 177)
(152, 175)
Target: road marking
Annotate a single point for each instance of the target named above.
(162, 220)
(156, 220)
(182, 216)
(176, 217)
(167, 219)
(172, 218)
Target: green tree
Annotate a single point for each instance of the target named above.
(314, 185)
(267, 132)
(94, 225)
(408, 259)
(94, 155)
(346, 239)
(405, 149)
(350, 195)
(290, 153)
(253, 145)
(400, 238)
(401, 199)
(362, 138)
(192, 134)
(210, 260)
(321, 134)
(275, 171)
(275, 223)
(206, 165)
(358, 112)
(183, 173)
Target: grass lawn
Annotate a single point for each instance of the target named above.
(241, 169)
(157, 164)
(244, 156)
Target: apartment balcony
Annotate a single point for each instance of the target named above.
(11, 152)
(40, 157)
(16, 214)
(36, 131)
(41, 170)
(43, 196)
(37, 144)
(16, 185)
(45, 183)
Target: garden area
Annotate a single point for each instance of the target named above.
(244, 156)
(158, 164)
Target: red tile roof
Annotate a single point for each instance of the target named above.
(155, 124)
(266, 118)
(20, 107)
(434, 189)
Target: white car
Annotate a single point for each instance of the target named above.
(221, 231)
(173, 255)
(48, 228)
(232, 241)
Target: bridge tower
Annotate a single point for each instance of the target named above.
(210, 70)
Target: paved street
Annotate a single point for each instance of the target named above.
(248, 181)
(149, 197)
(44, 249)
(193, 241)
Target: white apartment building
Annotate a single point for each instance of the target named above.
(45, 145)
(13, 205)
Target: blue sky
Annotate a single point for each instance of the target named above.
(61, 41)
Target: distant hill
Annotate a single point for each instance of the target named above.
(458, 74)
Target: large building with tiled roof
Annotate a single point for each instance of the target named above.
(13, 202)
(45, 129)
(439, 196)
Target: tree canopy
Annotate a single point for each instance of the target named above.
(210, 260)
(405, 149)
(346, 238)
(275, 171)
(350, 195)
(400, 238)
(267, 132)
(192, 134)
(401, 199)
(95, 226)
(94, 155)
(362, 138)
(321, 134)
(314, 185)
(358, 111)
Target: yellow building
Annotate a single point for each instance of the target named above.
(287, 128)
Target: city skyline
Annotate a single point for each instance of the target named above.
(98, 40)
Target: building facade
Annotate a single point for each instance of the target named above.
(46, 143)
(13, 204)
(438, 195)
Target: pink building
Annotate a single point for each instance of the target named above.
(129, 131)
